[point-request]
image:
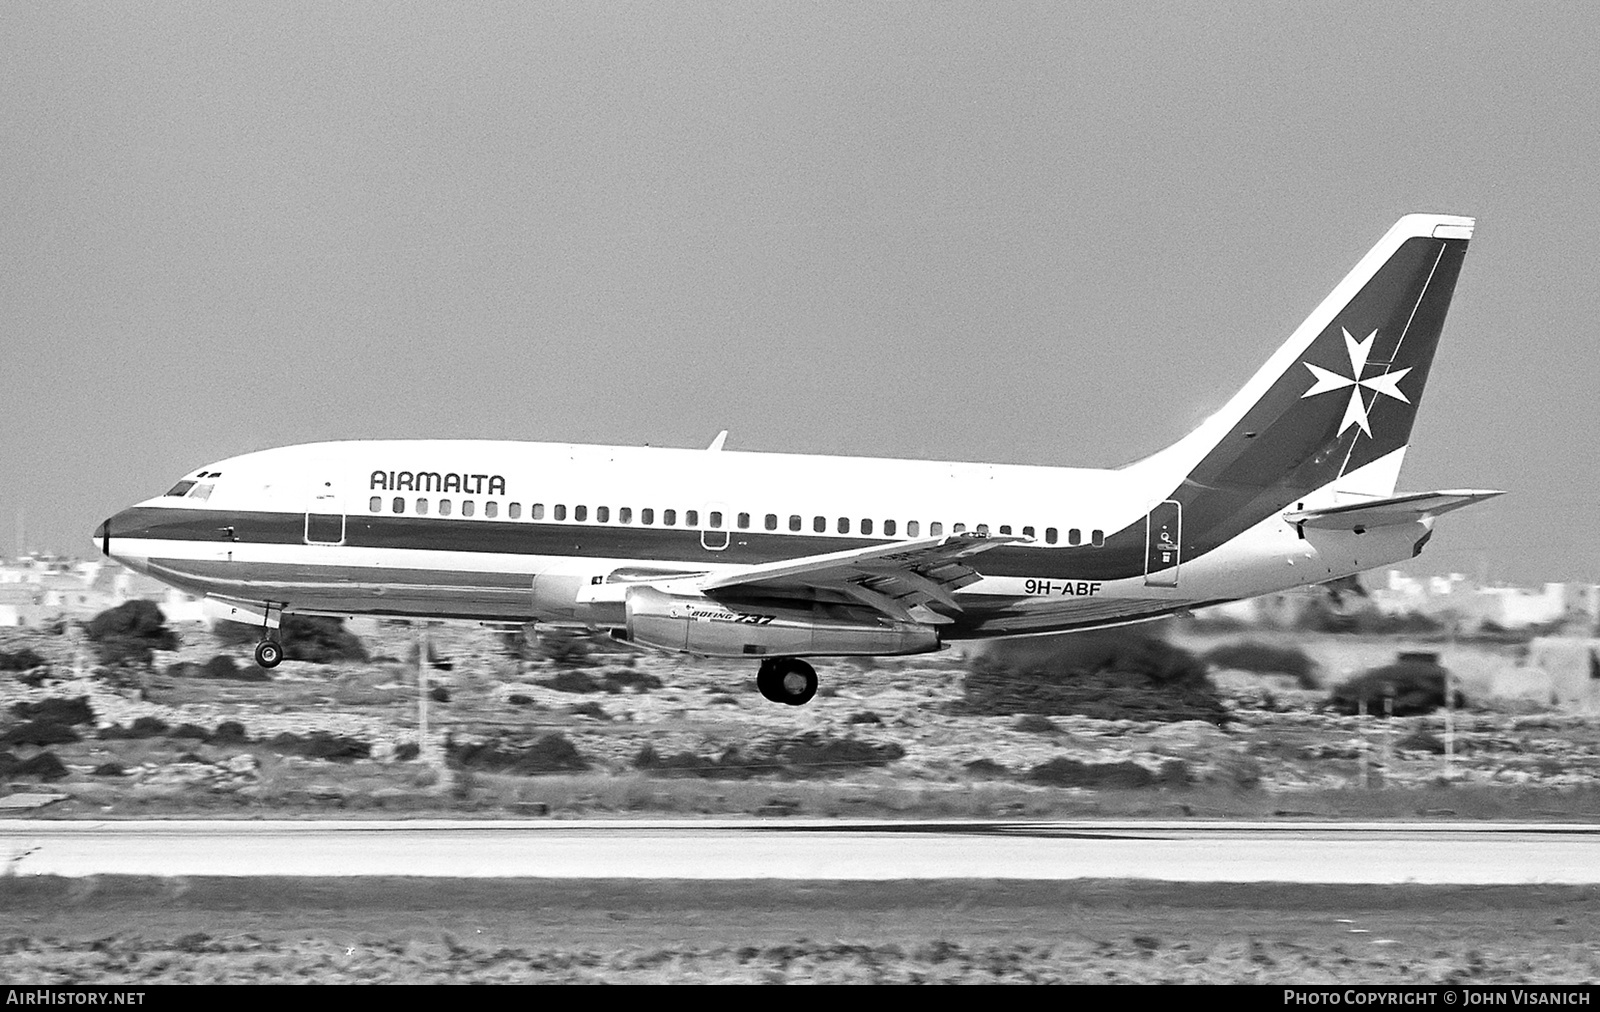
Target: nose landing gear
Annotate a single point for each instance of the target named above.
(787, 680)
(269, 653)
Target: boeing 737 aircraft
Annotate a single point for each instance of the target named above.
(779, 557)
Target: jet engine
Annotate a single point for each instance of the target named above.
(700, 625)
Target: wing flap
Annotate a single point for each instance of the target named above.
(895, 579)
(1400, 509)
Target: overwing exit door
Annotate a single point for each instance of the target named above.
(1162, 538)
(714, 532)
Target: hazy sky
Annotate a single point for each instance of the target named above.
(1053, 233)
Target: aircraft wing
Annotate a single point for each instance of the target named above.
(894, 578)
(1400, 509)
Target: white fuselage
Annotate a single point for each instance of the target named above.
(523, 531)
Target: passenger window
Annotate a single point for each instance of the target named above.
(602, 514)
(624, 514)
(422, 507)
(888, 528)
(399, 504)
(744, 521)
(514, 511)
(580, 513)
(935, 529)
(866, 527)
(561, 511)
(375, 504)
(959, 529)
(691, 518)
(716, 519)
(669, 517)
(1074, 536)
(983, 529)
(819, 524)
(1050, 535)
(467, 507)
(1098, 538)
(444, 507)
(647, 516)
(794, 522)
(1027, 532)
(491, 509)
(772, 521)
(1005, 529)
(537, 511)
(844, 525)
(913, 528)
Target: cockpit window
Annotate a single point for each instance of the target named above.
(181, 488)
(201, 491)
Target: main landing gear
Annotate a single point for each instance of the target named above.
(787, 680)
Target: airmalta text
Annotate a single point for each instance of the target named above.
(434, 481)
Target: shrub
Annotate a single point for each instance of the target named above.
(128, 633)
(809, 754)
(142, 727)
(222, 667)
(573, 681)
(1063, 772)
(25, 659)
(44, 766)
(627, 680)
(987, 768)
(319, 640)
(1420, 740)
(1035, 723)
(553, 753)
(57, 711)
(1417, 686)
(1264, 658)
(322, 745)
(1109, 675)
(229, 732)
(37, 732)
(560, 647)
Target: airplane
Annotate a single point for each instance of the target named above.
(782, 557)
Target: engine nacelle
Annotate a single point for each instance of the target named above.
(699, 625)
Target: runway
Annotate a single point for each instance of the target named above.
(830, 850)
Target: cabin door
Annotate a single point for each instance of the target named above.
(324, 509)
(1163, 534)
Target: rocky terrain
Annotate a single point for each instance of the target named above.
(620, 732)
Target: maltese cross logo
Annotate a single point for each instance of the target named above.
(1355, 413)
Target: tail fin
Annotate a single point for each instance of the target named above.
(1337, 400)
(1331, 411)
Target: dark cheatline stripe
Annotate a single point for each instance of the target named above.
(666, 544)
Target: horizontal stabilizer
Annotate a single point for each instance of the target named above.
(1400, 509)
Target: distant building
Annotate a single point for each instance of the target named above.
(39, 590)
